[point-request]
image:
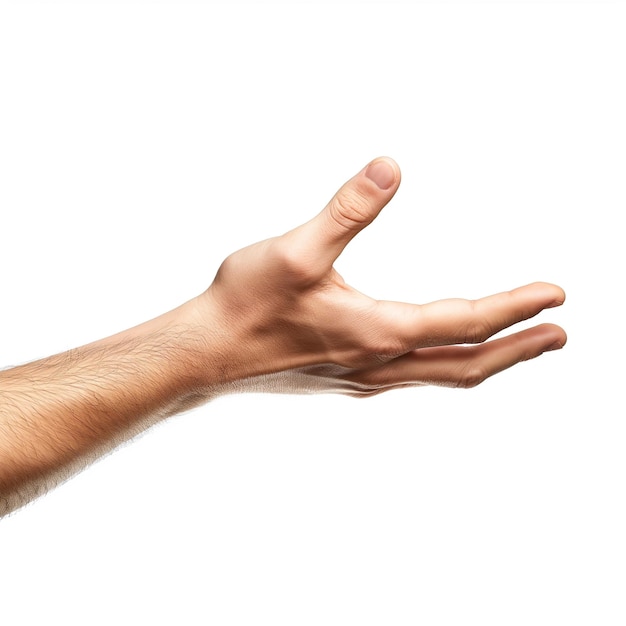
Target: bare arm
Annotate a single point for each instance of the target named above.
(60, 413)
(277, 317)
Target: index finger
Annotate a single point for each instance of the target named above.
(460, 321)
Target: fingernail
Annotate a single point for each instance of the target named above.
(381, 173)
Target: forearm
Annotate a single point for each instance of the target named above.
(60, 413)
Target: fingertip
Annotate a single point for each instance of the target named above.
(550, 294)
(559, 297)
(384, 172)
(556, 337)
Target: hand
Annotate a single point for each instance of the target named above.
(287, 321)
(278, 318)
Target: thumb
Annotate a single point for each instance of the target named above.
(351, 209)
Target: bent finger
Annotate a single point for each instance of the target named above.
(460, 366)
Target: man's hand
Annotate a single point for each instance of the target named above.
(278, 318)
(288, 321)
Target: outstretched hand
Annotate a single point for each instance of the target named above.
(282, 319)
(279, 318)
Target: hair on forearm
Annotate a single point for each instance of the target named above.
(61, 413)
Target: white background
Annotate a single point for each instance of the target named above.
(142, 143)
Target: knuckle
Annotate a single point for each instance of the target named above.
(230, 266)
(349, 209)
(478, 329)
(472, 375)
(388, 349)
(477, 332)
(380, 345)
(289, 259)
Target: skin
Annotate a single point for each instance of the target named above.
(277, 318)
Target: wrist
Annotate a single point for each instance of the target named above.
(214, 353)
(225, 346)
